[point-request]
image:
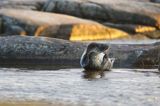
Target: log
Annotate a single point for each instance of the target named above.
(132, 28)
(155, 1)
(121, 11)
(153, 35)
(52, 53)
(39, 52)
(23, 4)
(1, 25)
(58, 25)
(136, 55)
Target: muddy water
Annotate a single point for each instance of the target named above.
(122, 87)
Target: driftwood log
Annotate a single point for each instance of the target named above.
(55, 25)
(121, 11)
(23, 4)
(51, 53)
(132, 28)
(39, 52)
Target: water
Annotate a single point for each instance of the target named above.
(120, 87)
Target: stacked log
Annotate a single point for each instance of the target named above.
(57, 26)
(23, 4)
(123, 11)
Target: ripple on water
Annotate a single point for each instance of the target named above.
(118, 87)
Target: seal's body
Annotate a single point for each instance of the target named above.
(95, 57)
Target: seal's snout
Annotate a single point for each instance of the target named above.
(95, 57)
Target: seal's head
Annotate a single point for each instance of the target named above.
(95, 57)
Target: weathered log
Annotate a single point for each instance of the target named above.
(148, 31)
(132, 28)
(155, 1)
(23, 4)
(122, 11)
(136, 37)
(0, 25)
(153, 35)
(58, 25)
(51, 53)
(136, 55)
(39, 52)
(143, 0)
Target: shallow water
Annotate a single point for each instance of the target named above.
(118, 87)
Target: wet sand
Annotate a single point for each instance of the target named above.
(65, 87)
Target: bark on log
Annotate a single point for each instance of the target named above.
(136, 55)
(132, 28)
(122, 11)
(58, 25)
(50, 53)
(39, 52)
(23, 4)
(155, 1)
(153, 35)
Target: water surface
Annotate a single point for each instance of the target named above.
(118, 87)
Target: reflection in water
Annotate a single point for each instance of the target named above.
(93, 74)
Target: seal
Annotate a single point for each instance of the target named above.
(95, 57)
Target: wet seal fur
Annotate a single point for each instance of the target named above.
(95, 57)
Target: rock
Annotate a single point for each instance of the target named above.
(121, 11)
(22, 4)
(51, 53)
(59, 26)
